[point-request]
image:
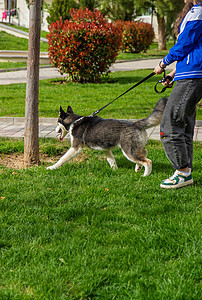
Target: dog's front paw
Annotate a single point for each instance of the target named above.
(138, 168)
(50, 168)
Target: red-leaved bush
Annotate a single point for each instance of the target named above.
(137, 36)
(145, 36)
(84, 46)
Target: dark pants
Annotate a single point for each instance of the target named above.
(178, 121)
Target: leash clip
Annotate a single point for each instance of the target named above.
(163, 80)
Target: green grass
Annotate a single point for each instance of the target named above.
(87, 98)
(43, 33)
(11, 42)
(15, 65)
(12, 65)
(153, 52)
(85, 231)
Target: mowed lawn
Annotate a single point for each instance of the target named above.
(85, 231)
(87, 98)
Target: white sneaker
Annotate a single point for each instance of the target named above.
(177, 180)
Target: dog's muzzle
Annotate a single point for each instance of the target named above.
(60, 136)
(60, 129)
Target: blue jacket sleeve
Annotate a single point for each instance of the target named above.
(185, 43)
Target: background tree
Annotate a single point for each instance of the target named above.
(28, 3)
(166, 12)
(90, 4)
(174, 8)
(61, 8)
(118, 9)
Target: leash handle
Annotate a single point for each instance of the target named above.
(163, 80)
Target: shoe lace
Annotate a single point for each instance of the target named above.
(174, 175)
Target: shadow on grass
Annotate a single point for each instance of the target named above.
(112, 79)
(128, 79)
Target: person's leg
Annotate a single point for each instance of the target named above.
(177, 125)
(189, 133)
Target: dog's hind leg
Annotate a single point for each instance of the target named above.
(71, 153)
(147, 167)
(110, 158)
(138, 167)
(141, 161)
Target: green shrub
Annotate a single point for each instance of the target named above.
(145, 36)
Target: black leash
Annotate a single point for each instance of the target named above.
(135, 85)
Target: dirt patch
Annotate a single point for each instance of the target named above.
(16, 160)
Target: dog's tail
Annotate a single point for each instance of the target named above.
(154, 118)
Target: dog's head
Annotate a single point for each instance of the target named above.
(64, 121)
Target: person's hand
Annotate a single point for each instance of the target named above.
(169, 79)
(159, 68)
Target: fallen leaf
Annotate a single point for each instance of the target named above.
(62, 260)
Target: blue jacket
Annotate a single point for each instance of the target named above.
(188, 49)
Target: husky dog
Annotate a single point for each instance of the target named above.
(106, 134)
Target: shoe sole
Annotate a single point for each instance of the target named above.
(177, 186)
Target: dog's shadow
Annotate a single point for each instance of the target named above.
(125, 163)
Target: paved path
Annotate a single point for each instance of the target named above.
(14, 127)
(50, 72)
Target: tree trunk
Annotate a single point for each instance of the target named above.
(31, 139)
(161, 33)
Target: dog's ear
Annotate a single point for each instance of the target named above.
(61, 113)
(69, 110)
